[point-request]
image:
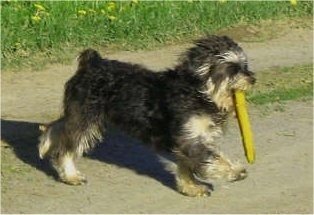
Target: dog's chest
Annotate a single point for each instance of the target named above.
(203, 128)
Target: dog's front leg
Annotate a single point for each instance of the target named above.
(187, 159)
(186, 183)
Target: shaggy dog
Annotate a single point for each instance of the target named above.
(182, 109)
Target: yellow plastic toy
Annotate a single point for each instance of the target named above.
(244, 124)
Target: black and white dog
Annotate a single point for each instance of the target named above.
(182, 109)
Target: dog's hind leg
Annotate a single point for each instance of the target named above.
(65, 140)
(66, 169)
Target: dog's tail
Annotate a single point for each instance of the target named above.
(89, 57)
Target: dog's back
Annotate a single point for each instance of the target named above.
(110, 92)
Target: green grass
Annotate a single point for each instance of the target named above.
(282, 84)
(283, 95)
(51, 29)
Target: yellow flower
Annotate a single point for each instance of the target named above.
(293, 2)
(112, 18)
(39, 7)
(36, 18)
(17, 6)
(17, 45)
(111, 6)
(82, 12)
(91, 11)
(102, 11)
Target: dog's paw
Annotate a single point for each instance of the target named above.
(240, 175)
(195, 190)
(77, 179)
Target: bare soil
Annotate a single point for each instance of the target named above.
(126, 177)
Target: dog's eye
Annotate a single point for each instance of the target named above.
(233, 69)
(206, 162)
(248, 73)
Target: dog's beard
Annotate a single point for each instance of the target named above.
(222, 93)
(240, 82)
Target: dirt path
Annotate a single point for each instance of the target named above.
(127, 178)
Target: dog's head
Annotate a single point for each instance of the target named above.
(222, 66)
(227, 71)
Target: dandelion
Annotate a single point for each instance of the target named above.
(112, 18)
(39, 7)
(293, 2)
(36, 18)
(102, 11)
(82, 12)
(91, 11)
(111, 6)
(17, 45)
(17, 7)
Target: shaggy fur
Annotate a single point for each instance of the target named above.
(182, 110)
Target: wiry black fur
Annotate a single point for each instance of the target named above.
(205, 49)
(150, 106)
(208, 50)
(147, 105)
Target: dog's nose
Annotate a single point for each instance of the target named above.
(242, 175)
(250, 76)
(252, 80)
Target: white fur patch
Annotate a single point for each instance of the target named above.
(203, 70)
(89, 138)
(203, 128)
(234, 57)
(68, 166)
(222, 97)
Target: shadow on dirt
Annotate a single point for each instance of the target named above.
(123, 151)
(117, 150)
(22, 137)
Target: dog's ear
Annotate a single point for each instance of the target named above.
(233, 56)
(42, 127)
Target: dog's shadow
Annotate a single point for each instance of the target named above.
(22, 138)
(117, 149)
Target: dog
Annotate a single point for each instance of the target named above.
(183, 109)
